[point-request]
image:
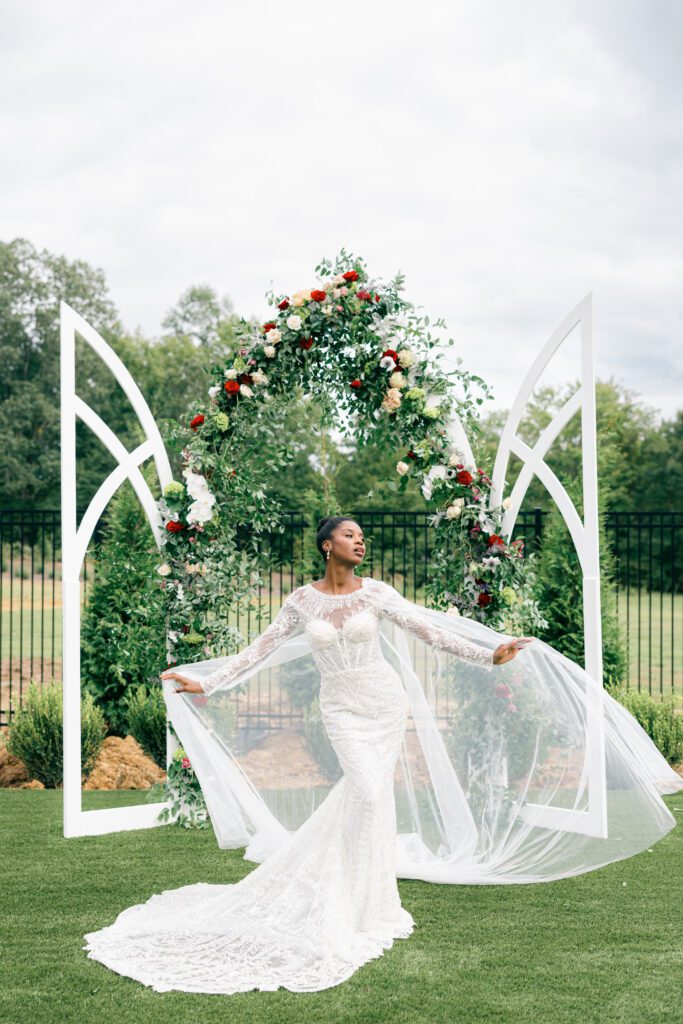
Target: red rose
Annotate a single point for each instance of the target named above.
(269, 326)
(232, 387)
(306, 342)
(356, 384)
(391, 352)
(376, 297)
(173, 527)
(496, 541)
(411, 455)
(350, 275)
(185, 629)
(463, 477)
(317, 295)
(284, 304)
(197, 421)
(245, 378)
(483, 600)
(364, 295)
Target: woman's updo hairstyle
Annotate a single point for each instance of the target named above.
(324, 530)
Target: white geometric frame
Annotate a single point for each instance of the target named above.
(75, 540)
(592, 821)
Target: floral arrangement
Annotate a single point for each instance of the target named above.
(185, 803)
(369, 359)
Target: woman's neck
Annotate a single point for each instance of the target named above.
(338, 579)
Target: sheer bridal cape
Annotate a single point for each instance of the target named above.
(363, 738)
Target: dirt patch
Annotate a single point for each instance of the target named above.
(122, 764)
(13, 775)
(280, 761)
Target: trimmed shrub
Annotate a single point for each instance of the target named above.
(146, 714)
(123, 633)
(36, 735)
(657, 717)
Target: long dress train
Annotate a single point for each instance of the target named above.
(479, 801)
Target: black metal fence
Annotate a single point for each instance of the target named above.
(647, 547)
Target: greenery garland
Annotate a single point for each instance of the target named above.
(368, 358)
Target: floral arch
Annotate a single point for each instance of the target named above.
(367, 357)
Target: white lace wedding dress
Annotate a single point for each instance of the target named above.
(328, 901)
(325, 899)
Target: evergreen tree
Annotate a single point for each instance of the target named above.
(560, 586)
(123, 631)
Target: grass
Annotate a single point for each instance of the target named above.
(602, 948)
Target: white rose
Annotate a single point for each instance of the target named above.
(213, 391)
(459, 502)
(406, 358)
(453, 511)
(435, 473)
(164, 570)
(402, 468)
(200, 511)
(387, 363)
(338, 279)
(453, 610)
(259, 377)
(230, 374)
(472, 568)
(507, 502)
(274, 336)
(294, 322)
(269, 351)
(397, 380)
(297, 300)
(196, 484)
(246, 390)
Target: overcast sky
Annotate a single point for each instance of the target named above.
(507, 157)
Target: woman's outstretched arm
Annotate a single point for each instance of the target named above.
(283, 625)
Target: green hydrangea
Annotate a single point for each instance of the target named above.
(174, 491)
(221, 420)
(432, 413)
(179, 754)
(414, 394)
(193, 638)
(508, 596)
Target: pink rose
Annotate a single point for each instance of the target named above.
(186, 762)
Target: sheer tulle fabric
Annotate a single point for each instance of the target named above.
(396, 749)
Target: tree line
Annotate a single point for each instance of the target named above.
(641, 463)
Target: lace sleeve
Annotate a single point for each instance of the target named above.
(283, 625)
(401, 612)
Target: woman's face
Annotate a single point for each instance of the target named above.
(348, 544)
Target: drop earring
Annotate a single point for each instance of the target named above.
(328, 555)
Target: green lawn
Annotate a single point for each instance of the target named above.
(602, 947)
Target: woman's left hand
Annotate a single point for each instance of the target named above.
(507, 651)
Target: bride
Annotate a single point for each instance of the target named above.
(450, 755)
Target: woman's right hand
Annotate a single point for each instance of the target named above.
(186, 685)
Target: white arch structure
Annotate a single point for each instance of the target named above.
(589, 821)
(75, 540)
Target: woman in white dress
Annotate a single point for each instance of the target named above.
(325, 900)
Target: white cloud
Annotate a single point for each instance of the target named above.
(507, 158)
